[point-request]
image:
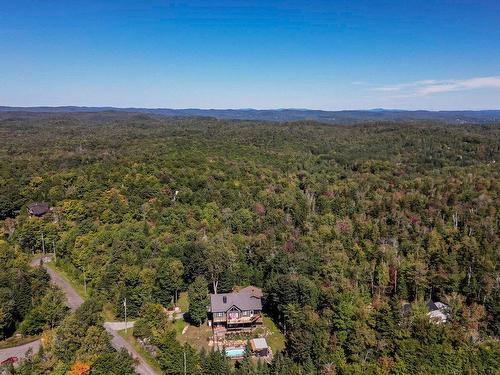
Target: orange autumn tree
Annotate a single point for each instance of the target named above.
(79, 368)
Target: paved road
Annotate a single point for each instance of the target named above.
(19, 351)
(119, 342)
(74, 301)
(118, 326)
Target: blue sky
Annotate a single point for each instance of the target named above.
(259, 54)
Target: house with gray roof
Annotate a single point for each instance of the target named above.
(237, 310)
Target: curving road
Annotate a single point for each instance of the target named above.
(117, 341)
(19, 351)
(74, 301)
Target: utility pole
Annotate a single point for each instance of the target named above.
(43, 245)
(54, 250)
(185, 367)
(125, 305)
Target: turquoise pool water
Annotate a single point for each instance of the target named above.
(235, 352)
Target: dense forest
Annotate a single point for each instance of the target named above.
(339, 225)
(27, 300)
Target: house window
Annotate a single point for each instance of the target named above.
(219, 315)
(246, 313)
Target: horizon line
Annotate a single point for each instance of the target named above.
(380, 109)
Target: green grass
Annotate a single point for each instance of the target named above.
(179, 325)
(108, 314)
(148, 358)
(197, 337)
(183, 302)
(16, 341)
(275, 339)
(74, 283)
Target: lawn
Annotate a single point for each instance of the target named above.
(143, 353)
(108, 313)
(275, 338)
(183, 302)
(197, 337)
(179, 325)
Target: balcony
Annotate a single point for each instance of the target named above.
(256, 318)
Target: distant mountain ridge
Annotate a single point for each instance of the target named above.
(281, 115)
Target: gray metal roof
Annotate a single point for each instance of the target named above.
(245, 299)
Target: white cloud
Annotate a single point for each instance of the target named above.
(430, 87)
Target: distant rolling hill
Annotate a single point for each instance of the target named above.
(335, 117)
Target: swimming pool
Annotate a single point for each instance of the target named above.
(235, 352)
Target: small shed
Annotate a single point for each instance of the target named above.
(259, 347)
